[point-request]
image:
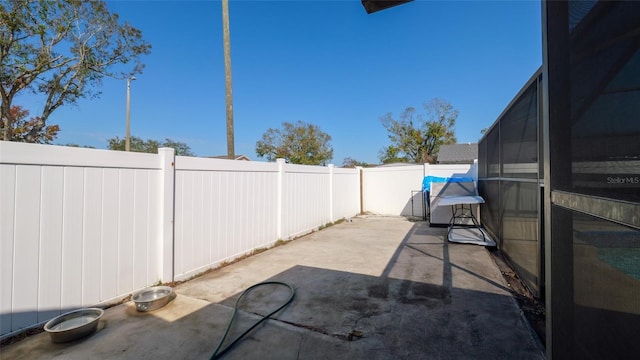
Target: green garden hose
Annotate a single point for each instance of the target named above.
(218, 351)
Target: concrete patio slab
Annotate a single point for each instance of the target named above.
(405, 292)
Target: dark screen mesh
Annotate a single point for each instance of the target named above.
(482, 159)
(493, 152)
(593, 74)
(605, 101)
(519, 136)
(602, 318)
(520, 224)
(509, 185)
(490, 210)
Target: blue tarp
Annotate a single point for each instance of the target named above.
(426, 182)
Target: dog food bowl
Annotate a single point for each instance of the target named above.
(152, 298)
(73, 325)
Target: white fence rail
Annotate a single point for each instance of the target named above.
(83, 227)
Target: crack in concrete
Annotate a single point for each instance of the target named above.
(303, 326)
(315, 329)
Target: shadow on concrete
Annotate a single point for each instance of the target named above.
(433, 300)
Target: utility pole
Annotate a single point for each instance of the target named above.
(227, 78)
(127, 140)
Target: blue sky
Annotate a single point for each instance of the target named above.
(323, 62)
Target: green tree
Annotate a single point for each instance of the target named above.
(391, 154)
(149, 146)
(417, 137)
(298, 143)
(349, 162)
(181, 148)
(61, 49)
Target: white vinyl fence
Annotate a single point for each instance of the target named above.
(225, 209)
(77, 226)
(83, 227)
(395, 190)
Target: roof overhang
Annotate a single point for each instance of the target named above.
(371, 6)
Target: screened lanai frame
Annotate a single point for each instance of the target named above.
(588, 173)
(591, 108)
(510, 180)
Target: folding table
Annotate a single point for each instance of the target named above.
(461, 209)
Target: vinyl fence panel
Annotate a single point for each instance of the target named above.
(346, 193)
(75, 229)
(395, 190)
(305, 199)
(224, 209)
(83, 227)
(388, 190)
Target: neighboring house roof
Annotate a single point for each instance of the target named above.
(458, 153)
(238, 157)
